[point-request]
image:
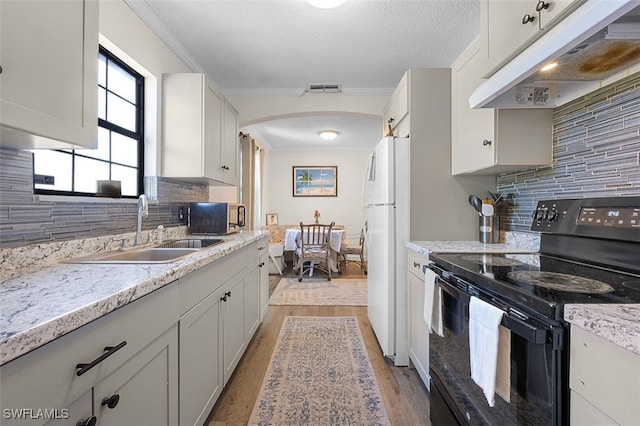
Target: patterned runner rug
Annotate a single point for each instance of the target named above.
(351, 292)
(319, 374)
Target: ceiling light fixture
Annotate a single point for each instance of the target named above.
(325, 4)
(328, 135)
(550, 66)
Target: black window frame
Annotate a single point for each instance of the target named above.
(138, 135)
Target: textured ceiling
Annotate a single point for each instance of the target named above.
(279, 47)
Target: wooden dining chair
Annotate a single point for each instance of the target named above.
(313, 248)
(346, 250)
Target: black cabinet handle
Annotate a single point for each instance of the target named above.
(89, 421)
(111, 401)
(109, 350)
(0, 69)
(260, 265)
(541, 5)
(261, 248)
(416, 264)
(224, 298)
(228, 293)
(527, 18)
(486, 142)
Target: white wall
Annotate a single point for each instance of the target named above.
(345, 209)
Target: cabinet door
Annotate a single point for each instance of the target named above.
(230, 145)
(212, 149)
(555, 11)
(78, 411)
(233, 324)
(613, 386)
(252, 298)
(49, 59)
(398, 106)
(418, 331)
(505, 31)
(200, 360)
(146, 387)
(264, 283)
(470, 127)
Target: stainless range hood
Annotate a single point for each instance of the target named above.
(597, 44)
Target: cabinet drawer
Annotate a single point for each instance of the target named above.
(415, 261)
(200, 283)
(46, 377)
(606, 375)
(584, 413)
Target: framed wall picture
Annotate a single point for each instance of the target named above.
(313, 181)
(272, 218)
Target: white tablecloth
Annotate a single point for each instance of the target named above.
(335, 240)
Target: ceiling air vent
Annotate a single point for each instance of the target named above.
(324, 88)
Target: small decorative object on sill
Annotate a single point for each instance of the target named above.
(316, 216)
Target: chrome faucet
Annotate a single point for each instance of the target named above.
(143, 210)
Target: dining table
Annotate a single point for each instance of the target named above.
(335, 243)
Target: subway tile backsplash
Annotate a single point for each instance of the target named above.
(596, 153)
(25, 219)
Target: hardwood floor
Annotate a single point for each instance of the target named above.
(406, 398)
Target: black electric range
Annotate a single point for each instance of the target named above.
(589, 253)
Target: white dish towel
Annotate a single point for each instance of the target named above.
(432, 311)
(484, 320)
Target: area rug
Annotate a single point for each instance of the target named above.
(319, 374)
(320, 291)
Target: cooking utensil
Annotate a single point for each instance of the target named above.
(496, 197)
(476, 202)
(487, 209)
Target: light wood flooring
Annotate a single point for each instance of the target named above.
(405, 396)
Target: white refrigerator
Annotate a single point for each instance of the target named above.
(387, 210)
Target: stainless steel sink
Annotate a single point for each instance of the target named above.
(170, 251)
(141, 255)
(191, 243)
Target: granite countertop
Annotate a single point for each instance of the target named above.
(616, 323)
(426, 247)
(41, 303)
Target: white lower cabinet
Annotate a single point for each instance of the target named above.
(418, 330)
(131, 361)
(212, 338)
(256, 286)
(161, 360)
(200, 360)
(605, 381)
(233, 338)
(144, 390)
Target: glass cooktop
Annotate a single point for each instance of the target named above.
(541, 282)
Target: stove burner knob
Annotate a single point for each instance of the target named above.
(553, 216)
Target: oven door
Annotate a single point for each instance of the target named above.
(538, 374)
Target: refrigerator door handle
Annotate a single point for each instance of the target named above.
(372, 168)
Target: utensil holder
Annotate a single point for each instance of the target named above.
(489, 229)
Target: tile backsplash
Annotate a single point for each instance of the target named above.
(596, 153)
(26, 218)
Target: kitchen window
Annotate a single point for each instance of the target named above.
(119, 156)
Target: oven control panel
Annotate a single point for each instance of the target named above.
(610, 217)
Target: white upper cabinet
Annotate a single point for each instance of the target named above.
(200, 130)
(493, 141)
(230, 145)
(509, 26)
(49, 74)
(397, 109)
